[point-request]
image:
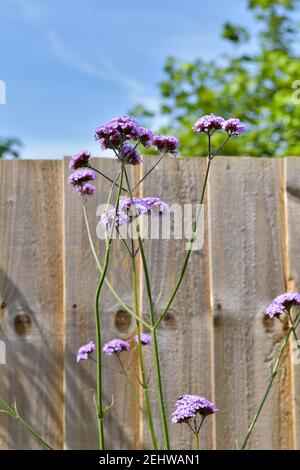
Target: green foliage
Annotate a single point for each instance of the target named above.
(10, 148)
(257, 88)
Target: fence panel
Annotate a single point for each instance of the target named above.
(292, 187)
(81, 277)
(185, 336)
(214, 340)
(247, 273)
(31, 298)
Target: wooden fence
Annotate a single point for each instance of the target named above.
(214, 341)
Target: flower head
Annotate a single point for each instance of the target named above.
(86, 189)
(117, 131)
(188, 406)
(166, 144)
(80, 180)
(282, 303)
(81, 176)
(208, 124)
(127, 210)
(80, 160)
(131, 155)
(85, 351)
(145, 339)
(233, 126)
(115, 346)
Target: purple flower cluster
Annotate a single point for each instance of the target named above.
(211, 123)
(130, 155)
(117, 131)
(233, 126)
(188, 406)
(82, 175)
(80, 160)
(166, 144)
(85, 351)
(282, 303)
(80, 180)
(115, 346)
(117, 134)
(127, 211)
(145, 339)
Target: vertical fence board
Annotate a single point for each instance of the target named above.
(247, 273)
(121, 422)
(293, 275)
(31, 298)
(185, 342)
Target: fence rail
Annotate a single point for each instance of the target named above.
(214, 341)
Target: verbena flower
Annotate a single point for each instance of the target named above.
(145, 339)
(131, 155)
(128, 211)
(81, 176)
(166, 144)
(117, 131)
(115, 346)
(80, 160)
(86, 189)
(282, 303)
(208, 124)
(188, 406)
(85, 351)
(80, 180)
(233, 126)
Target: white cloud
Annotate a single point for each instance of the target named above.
(102, 68)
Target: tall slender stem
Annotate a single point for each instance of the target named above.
(153, 332)
(189, 252)
(269, 386)
(99, 404)
(148, 172)
(104, 176)
(196, 441)
(140, 352)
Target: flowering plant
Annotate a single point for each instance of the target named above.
(123, 136)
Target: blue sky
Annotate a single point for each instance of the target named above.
(70, 65)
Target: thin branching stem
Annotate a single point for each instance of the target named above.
(153, 332)
(274, 373)
(99, 404)
(143, 382)
(13, 413)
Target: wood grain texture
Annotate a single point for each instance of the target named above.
(185, 336)
(247, 273)
(292, 200)
(31, 298)
(122, 421)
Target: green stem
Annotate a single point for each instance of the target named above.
(99, 404)
(189, 252)
(148, 172)
(273, 375)
(13, 413)
(155, 352)
(293, 326)
(153, 332)
(197, 441)
(140, 353)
